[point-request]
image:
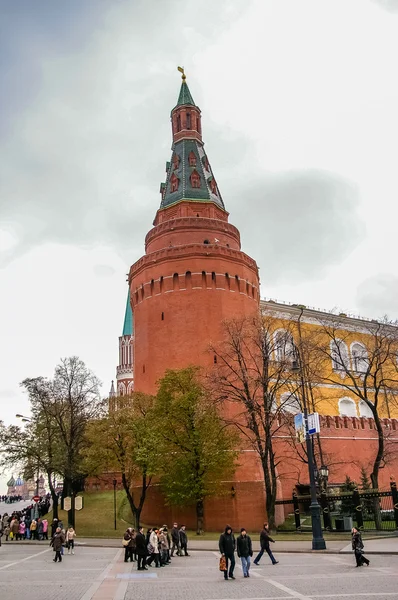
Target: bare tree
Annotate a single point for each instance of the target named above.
(61, 408)
(252, 377)
(364, 363)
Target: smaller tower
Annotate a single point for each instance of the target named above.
(125, 370)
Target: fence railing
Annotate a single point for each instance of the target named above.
(367, 510)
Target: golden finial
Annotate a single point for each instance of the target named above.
(183, 76)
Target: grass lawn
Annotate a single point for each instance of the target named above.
(97, 517)
(96, 520)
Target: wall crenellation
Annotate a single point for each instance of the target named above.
(200, 280)
(195, 250)
(358, 423)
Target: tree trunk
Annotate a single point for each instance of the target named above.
(374, 476)
(54, 496)
(200, 513)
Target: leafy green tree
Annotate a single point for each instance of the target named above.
(127, 441)
(66, 404)
(347, 506)
(367, 503)
(32, 448)
(199, 451)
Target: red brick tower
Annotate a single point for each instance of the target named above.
(193, 274)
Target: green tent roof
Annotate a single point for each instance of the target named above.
(183, 149)
(185, 96)
(128, 318)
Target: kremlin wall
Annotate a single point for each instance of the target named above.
(193, 277)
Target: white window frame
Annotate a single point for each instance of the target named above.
(341, 354)
(347, 400)
(359, 359)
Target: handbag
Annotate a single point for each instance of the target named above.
(125, 543)
(223, 564)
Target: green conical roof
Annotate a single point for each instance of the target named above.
(185, 95)
(128, 318)
(188, 157)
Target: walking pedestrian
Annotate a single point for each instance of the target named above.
(183, 540)
(265, 539)
(162, 546)
(57, 542)
(45, 529)
(357, 546)
(245, 551)
(175, 538)
(128, 545)
(153, 548)
(227, 545)
(141, 550)
(70, 540)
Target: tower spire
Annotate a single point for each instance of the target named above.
(189, 175)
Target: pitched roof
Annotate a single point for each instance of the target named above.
(183, 172)
(128, 318)
(185, 96)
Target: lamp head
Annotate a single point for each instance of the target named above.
(324, 471)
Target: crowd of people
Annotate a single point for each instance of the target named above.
(157, 546)
(10, 499)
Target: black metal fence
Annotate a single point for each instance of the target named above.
(367, 510)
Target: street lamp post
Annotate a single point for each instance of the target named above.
(318, 542)
(114, 501)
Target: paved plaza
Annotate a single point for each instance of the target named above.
(100, 574)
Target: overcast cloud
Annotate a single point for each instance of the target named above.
(300, 122)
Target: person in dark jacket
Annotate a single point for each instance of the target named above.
(175, 538)
(357, 546)
(227, 545)
(54, 526)
(166, 531)
(141, 550)
(183, 540)
(245, 552)
(265, 539)
(57, 542)
(129, 547)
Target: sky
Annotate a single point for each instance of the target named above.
(299, 115)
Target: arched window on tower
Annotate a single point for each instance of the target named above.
(178, 122)
(188, 121)
(176, 161)
(213, 187)
(174, 182)
(195, 179)
(192, 159)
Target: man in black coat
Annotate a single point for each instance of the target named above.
(183, 540)
(245, 552)
(227, 545)
(141, 550)
(175, 538)
(265, 539)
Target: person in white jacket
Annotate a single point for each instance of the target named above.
(70, 540)
(153, 548)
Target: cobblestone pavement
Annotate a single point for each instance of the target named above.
(101, 574)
